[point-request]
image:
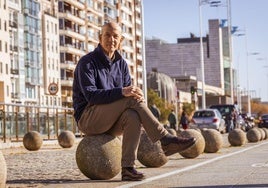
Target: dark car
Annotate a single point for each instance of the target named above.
(226, 111)
(264, 121)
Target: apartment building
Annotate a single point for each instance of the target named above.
(42, 41)
(182, 59)
(5, 83)
(79, 26)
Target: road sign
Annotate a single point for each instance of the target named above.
(53, 88)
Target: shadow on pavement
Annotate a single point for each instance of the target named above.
(225, 186)
(57, 181)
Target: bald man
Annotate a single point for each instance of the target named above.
(105, 102)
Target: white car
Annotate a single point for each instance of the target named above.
(208, 118)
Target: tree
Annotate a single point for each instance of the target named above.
(163, 105)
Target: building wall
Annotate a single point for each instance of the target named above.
(183, 58)
(49, 37)
(5, 85)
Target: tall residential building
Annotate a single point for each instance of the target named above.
(51, 54)
(5, 60)
(16, 51)
(41, 42)
(79, 27)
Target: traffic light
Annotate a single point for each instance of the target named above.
(193, 90)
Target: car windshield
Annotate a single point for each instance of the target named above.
(204, 114)
(265, 117)
(224, 110)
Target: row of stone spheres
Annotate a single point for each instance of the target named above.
(99, 157)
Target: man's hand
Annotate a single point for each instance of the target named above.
(133, 91)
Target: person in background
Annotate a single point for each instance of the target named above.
(184, 120)
(172, 119)
(155, 111)
(106, 102)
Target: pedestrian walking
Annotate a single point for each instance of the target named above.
(172, 119)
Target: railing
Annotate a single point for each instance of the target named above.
(16, 120)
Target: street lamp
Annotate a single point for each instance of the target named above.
(215, 4)
(248, 94)
(266, 66)
(202, 55)
(247, 57)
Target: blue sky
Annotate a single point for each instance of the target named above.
(172, 19)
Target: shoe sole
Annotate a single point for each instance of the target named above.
(127, 178)
(169, 151)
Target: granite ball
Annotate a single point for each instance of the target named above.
(199, 146)
(150, 154)
(213, 139)
(32, 141)
(266, 132)
(262, 133)
(99, 157)
(237, 137)
(3, 171)
(254, 135)
(66, 139)
(172, 131)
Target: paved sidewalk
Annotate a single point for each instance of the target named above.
(51, 164)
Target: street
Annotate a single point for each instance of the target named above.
(53, 166)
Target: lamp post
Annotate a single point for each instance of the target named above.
(266, 66)
(202, 56)
(248, 86)
(247, 67)
(230, 49)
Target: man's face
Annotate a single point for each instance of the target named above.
(110, 38)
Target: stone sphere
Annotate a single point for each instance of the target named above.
(213, 139)
(266, 132)
(237, 137)
(179, 131)
(150, 154)
(99, 157)
(254, 135)
(172, 131)
(66, 139)
(32, 140)
(3, 171)
(262, 133)
(198, 148)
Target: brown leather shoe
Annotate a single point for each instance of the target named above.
(131, 174)
(179, 145)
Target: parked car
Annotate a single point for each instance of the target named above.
(208, 118)
(264, 121)
(226, 111)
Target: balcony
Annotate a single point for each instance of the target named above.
(70, 32)
(14, 71)
(14, 95)
(13, 24)
(67, 65)
(68, 83)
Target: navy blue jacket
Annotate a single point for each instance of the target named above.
(98, 80)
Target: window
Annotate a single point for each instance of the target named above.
(47, 26)
(1, 67)
(6, 47)
(6, 68)
(56, 28)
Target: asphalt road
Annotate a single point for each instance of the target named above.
(53, 166)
